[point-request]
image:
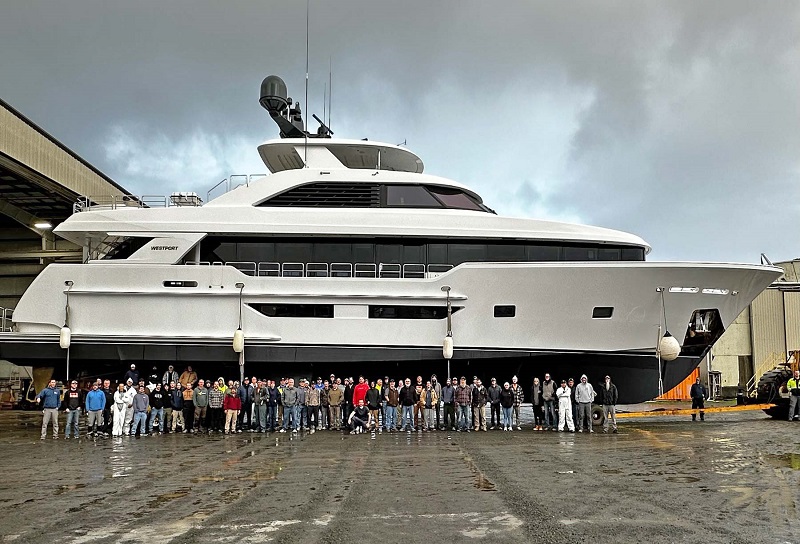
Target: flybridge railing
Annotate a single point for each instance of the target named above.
(181, 199)
(333, 270)
(232, 182)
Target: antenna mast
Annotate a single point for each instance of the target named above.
(305, 126)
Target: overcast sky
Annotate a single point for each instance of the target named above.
(677, 121)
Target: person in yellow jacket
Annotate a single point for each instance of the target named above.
(793, 385)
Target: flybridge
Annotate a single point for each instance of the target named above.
(299, 148)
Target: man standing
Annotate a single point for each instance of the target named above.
(373, 401)
(549, 399)
(157, 401)
(273, 402)
(429, 400)
(437, 387)
(244, 399)
(132, 375)
(608, 396)
(493, 396)
(188, 376)
(140, 404)
(392, 396)
(463, 397)
(130, 392)
(216, 401)
(536, 404)
(107, 418)
(408, 399)
(571, 385)
(73, 402)
(519, 397)
(95, 404)
(448, 399)
(50, 400)
(188, 409)
(479, 407)
(312, 407)
(324, 406)
(176, 402)
(793, 385)
(291, 410)
(584, 395)
(260, 407)
(335, 399)
(565, 408)
(200, 402)
(360, 390)
(349, 390)
(169, 376)
(698, 394)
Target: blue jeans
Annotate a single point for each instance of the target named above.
(73, 421)
(390, 417)
(408, 417)
(293, 413)
(139, 418)
(260, 417)
(272, 417)
(463, 417)
(303, 415)
(160, 413)
(550, 413)
(507, 416)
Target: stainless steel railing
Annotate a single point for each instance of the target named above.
(332, 270)
(6, 322)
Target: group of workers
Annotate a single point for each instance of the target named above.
(170, 402)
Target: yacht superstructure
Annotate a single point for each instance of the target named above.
(348, 254)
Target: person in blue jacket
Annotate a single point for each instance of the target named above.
(49, 399)
(95, 404)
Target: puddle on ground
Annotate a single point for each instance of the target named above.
(784, 460)
(682, 479)
(64, 488)
(611, 471)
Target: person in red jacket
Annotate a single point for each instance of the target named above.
(231, 404)
(360, 391)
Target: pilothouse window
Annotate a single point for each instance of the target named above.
(414, 196)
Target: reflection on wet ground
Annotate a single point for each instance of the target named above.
(733, 478)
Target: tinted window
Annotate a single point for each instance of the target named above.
(409, 312)
(256, 252)
(389, 253)
(363, 253)
(452, 198)
(608, 254)
(632, 254)
(437, 253)
(410, 195)
(293, 253)
(543, 253)
(465, 253)
(505, 311)
(602, 312)
(506, 252)
(580, 254)
(332, 253)
(295, 310)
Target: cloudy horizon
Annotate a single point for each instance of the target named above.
(676, 121)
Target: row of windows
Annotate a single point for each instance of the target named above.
(401, 251)
(374, 195)
(394, 312)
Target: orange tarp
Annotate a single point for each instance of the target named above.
(681, 391)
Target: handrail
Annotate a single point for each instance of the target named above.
(333, 270)
(773, 361)
(227, 188)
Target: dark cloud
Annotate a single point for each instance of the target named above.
(676, 121)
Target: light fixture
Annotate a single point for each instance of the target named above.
(447, 344)
(238, 334)
(43, 225)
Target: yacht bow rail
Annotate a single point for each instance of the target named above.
(332, 270)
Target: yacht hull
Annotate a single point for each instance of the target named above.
(636, 374)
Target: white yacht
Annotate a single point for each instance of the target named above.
(347, 258)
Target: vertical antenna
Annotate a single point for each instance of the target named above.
(305, 121)
(330, 89)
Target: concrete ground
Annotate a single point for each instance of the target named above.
(733, 478)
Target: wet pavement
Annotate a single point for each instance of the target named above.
(733, 478)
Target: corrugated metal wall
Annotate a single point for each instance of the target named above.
(769, 333)
(681, 391)
(791, 302)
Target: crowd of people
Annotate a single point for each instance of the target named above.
(172, 403)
